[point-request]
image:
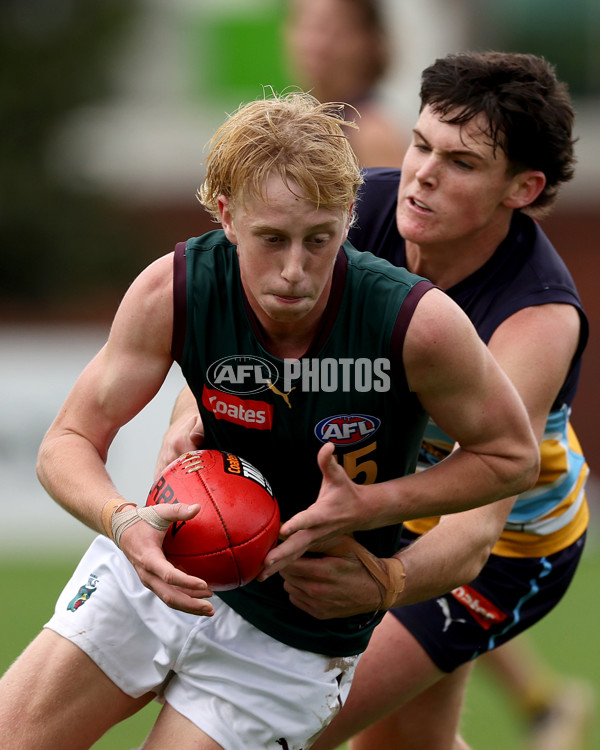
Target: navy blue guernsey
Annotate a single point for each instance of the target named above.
(525, 270)
(349, 388)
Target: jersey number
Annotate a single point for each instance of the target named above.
(355, 465)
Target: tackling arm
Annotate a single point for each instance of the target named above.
(537, 361)
(468, 395)
(454, 551)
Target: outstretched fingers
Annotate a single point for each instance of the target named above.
(335, 512)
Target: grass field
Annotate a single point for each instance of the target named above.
(568, 637)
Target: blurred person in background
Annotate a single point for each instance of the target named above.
(340, 51)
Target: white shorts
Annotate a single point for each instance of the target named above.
(239, 685)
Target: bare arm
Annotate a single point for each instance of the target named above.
(436, 563)
(537, 361)
(454, 552)
(469, 396)
(123, 377)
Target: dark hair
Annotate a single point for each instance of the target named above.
(528, 110)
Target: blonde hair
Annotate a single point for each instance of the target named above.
(291, 135)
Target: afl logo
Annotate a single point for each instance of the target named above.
(346, 429)
(242, 375)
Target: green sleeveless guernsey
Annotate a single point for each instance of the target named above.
(348, 388)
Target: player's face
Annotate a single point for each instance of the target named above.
(453, 189)
(286, 249)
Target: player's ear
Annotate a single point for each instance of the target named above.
(525, 188)
(226, 215)
(349, 220)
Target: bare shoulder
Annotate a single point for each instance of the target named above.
(439, 339)
(541, 322)
(547, 335)
(437, 319)
(129, 369)
(535, 347)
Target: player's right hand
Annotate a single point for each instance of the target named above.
(142, 545)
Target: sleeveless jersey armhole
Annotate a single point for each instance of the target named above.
(401, 325)
(179, 301)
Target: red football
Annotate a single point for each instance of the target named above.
(226, 542)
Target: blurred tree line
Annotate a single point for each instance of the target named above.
(58, 245)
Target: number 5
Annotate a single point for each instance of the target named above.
(354, 467)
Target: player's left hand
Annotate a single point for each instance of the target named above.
(331, 586)
(184, 435)
(338, 510)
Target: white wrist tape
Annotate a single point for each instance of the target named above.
(126, 518)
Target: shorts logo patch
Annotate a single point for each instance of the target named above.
(482, 609)
(444, 605)
(83, 594)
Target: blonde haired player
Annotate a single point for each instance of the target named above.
(246, 668)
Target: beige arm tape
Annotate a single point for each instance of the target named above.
(108, 510)
(389, 574)
(115, 520)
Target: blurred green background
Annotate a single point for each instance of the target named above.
(105, 110)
